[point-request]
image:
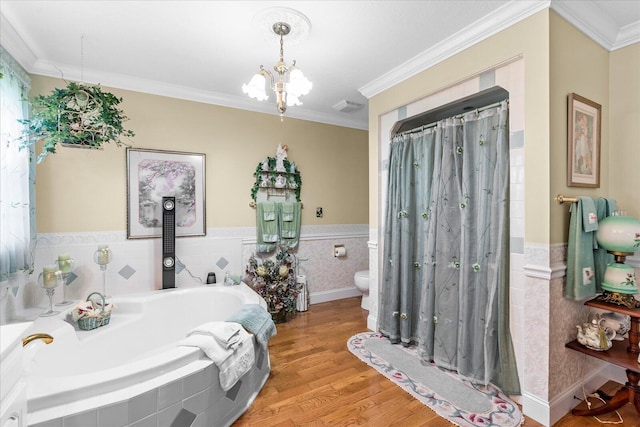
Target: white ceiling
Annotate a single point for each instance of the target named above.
(206, 50)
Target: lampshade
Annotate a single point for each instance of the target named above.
(299, 85)
(255, 87)
(288, 83)
(620, 235)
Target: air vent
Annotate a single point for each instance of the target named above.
(347, 106)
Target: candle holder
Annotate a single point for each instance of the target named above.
(65, 264)
(48, 280)
(102, 257)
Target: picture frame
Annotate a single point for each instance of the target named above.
(153, 174)
(583, 142)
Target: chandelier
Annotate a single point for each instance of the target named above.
(290, 85)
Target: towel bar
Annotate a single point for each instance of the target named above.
(561, 199)
(253, 205)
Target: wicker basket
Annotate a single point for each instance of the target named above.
(89, 323)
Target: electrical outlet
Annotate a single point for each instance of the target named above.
(318, 212)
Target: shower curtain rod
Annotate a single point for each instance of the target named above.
(456, 116)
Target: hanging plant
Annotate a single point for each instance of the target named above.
(78, 115)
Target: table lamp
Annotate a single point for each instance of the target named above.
(619, 234)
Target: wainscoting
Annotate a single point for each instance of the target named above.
(135, 265)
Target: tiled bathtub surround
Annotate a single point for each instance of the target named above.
(196, 396)
(135, 265)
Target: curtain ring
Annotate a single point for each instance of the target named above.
(403, 316)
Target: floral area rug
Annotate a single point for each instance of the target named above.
(459, 401)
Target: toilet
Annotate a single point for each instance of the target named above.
(361, 279)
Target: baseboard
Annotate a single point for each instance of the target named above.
(548, 413)
(332, 295)
(535, 408)
(372, 322)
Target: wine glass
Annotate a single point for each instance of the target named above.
(48, 280)
(65, 264)
(102, 257)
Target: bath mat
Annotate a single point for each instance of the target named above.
(458, 401)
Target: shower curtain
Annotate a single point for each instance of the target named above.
(445, 284)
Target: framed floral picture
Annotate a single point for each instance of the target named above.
(153, 174)
(583, 142)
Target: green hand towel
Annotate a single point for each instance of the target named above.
(586, 262)
(589, 214)
(266, 229)
(289, 224)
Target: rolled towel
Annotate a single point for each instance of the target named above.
(227, 334)
(256, 320)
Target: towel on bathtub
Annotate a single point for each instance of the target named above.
(226, 333)
(256, 320)
(237, 364)
(209, 346)
(232, 363)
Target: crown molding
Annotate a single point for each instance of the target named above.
(585, 16)
(502, 18)
(13, 43)
(154, 87)
(598, 26)
(628, 35)
(21, 52)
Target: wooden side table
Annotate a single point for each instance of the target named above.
(622, 353)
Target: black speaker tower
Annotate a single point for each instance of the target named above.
(168, 242)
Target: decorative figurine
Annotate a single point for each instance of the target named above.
(281, 155)
(620, 323)
(595, 336)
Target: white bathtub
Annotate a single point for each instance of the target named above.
(136, 353)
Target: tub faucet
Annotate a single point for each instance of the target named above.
(48, 339)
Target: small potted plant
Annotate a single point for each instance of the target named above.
(275, 281)
(79, 115)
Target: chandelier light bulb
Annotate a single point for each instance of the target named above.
(299, 85)
(289, 84)
(255, 88)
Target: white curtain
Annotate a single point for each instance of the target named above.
(17, 176)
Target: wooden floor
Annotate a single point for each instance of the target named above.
(316, 381)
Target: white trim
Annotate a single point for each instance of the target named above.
(372, 322)
(332, 295)
(306, 238)
(628, 35)
(600, 27)
(247, 234)
(563, 403)
(502, 18)
(156, 87)
(535, 408)
(13, 43)
(548, 413)
(537, 271)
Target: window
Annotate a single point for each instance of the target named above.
(17, 176)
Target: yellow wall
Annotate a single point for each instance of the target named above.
(529, 38)
(624, 128)
(578, 65)
(81, 190)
